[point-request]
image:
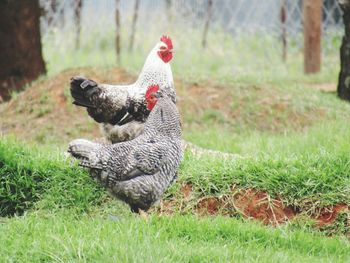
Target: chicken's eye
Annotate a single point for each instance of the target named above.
(162, 48)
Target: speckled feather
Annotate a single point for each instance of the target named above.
(137, 171)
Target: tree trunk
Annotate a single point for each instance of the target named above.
(168, 7)
(133, 25)
(344, 75)
(283, 18)
(21, 59)
(118, 31)
(207, 21)
(78, 4)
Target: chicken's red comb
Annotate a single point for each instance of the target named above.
(167, 41)
(151, 89)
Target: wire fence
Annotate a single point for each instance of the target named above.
(211, 37)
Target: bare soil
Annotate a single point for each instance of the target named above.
(249, 203)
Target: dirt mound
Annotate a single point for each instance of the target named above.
(262, 108)
(44, 113)
(249, 203)
(259, 205)
(328, 215)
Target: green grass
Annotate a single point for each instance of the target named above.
(328, 136)
(70, 237)
(307, 182)
(311, 121)
(34, 176)
(313, 180)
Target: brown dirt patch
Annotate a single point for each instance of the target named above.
(259, 205)
(186, 190)
(329, 214)
(209, 205)
(260, 107)
(249, 203)
(44, 111)
(200, 97)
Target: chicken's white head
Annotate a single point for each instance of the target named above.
(165, 49)
(156, 69)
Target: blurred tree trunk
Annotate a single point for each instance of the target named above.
(283, 18)
(133, 25)
(21, 59)
(53, 13)
(344, 75)
(207, 21)
(118, 31)
(78, 4)
(168, 6)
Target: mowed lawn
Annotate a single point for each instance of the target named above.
(68, 237)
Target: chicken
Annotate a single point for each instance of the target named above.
(108, 104)
(140, 170)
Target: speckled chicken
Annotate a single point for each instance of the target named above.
(120, 108)
(138, 171)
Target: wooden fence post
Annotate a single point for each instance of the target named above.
(312, 17)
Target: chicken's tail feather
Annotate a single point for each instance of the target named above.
(85, 152)
(81, 90)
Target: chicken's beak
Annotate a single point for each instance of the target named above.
(171, 51)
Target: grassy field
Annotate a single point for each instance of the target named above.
(280, 193)
(68, 237)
